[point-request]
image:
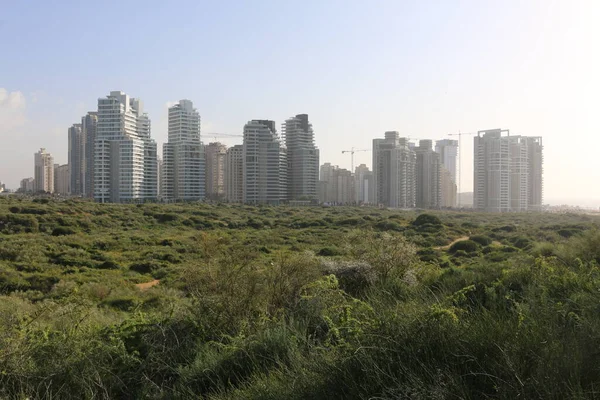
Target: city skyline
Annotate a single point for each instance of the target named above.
(467, 73)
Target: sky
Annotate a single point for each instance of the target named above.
(423, 68)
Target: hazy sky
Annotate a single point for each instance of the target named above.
(358, 68)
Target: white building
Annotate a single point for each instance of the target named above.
(448, 151)
(363, 185)
(27, 185)
(76, 160)
(125, 159)
(336, 186)
(302, 158)
(507, 172)
(394, 171)
(215, 170)
(265, 164)
(62, 179)
(89, 125)
(183, 155)
(234, 174)
(429, 191)
(43, 172)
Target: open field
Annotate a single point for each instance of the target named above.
(239, 302)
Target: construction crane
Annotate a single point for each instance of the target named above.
(460, 135)
(352, 151)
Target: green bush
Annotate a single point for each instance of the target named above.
(424, 219)
(481, 239)
(467, 246)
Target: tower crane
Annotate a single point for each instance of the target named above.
(352, 151)
(460, 135)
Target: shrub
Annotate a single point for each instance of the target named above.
(481, 239)
(62, 231)
(328, 252)
(467, 246)
(427, 219)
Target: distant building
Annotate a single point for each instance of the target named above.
(363, 185)
(448, 151)
(2, 187)
(394, 171)
(428, 187)
(62, 179)
(89, 125)
(215, 170)
(234, 174)
(27, 185)
(183, 155)
(447, 188)
(265, 164)
(302, 158)
(76, 160)
(507, 172)
(125, 159)
(336, 185)
(43, 172)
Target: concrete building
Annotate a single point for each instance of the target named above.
(428, 185)
(448, 188)
(448, 151)
(215, 170)
(159, 172)
(363, 185)
(302, 158)
(394, 171)
(125, 159)
(265, 164)
(336, 185)
(2, 187)
(505, 178)
(62, 179)
(234, 174)
(183, 155)
(89, 125)
(43, 172)
(76, 160)
(27, 185)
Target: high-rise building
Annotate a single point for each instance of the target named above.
(363, 185)
(159, 172)
(265, 164)
(336, 186)
(302, 158)
(428, 187)
(27, 185)
(62, 179)
(234, 174)
(505, 178)
(125, 159)
(215, 170)
(448, 188)
(448, 151)
(76, 160)
(394, 175)
(89, 124)
(43, 172)
(183, 155)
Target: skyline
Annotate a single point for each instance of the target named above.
(422, 71)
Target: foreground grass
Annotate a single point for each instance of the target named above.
(277, 302)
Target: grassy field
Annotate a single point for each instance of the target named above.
(238, 302)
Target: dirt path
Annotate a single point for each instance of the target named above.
(446, 247)
(147, 285)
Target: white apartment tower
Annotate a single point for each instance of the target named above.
(363, 184)
(448, 151)
(215, 170)
(302, 158)
(125, 159)
(507, 172)
(234, 174)
(394, 171)
(62, 179)
(265, 164)
(76, 160)
(89, 124)
(183, 155)
(429, 192)
(43, 172)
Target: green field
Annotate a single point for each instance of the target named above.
(239, 302)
